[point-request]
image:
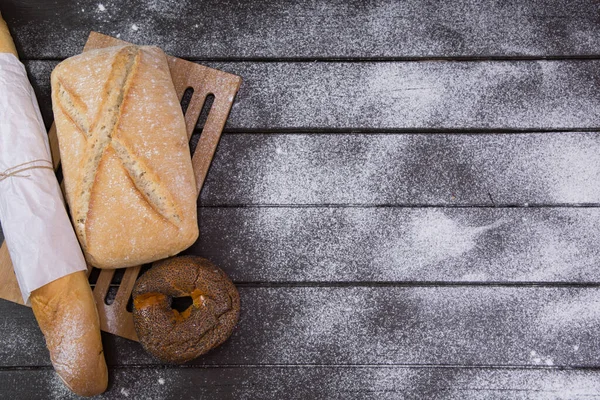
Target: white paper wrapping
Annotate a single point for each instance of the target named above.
(41, 241)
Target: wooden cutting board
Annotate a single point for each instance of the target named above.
(204, 81)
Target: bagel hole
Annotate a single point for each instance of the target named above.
(181, 303)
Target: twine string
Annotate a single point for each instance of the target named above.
(17, 170)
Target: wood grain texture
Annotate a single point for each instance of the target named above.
(390, 244)
(454, 326)
(405, 169)
(353, 284)
(410, 96)
(301, 382)
(314, 30)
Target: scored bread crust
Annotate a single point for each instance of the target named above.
(125, 156)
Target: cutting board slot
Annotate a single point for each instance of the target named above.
(186, 98)
(93, 276)
(129, 306)
(208, 103)
(113, 288)
(206, 107)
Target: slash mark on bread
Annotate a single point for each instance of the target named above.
(99, 135)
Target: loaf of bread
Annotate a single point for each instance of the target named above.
(66, 313)
(125, 156)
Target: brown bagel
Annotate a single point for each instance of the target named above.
(174, 336)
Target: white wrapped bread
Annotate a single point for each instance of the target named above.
(48, 261)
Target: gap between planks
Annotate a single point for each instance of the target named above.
(310, 366)
(575, 57)
(404, 284)
(399, 205)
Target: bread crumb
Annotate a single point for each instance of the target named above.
(134, 27)
(161, 381)
(101, 7)
(125, 392)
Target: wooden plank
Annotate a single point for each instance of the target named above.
(413, 96)
(325, 29)
(389, 244)
(301, 382)
(453, 245)
(439, 325)
(405, 169)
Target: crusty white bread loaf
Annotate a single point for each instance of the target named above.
(125, 156)
(67, 315)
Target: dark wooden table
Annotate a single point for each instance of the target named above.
(407, 196)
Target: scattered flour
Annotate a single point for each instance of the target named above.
(474, 326)
(538, 359)
(57, 389)
(363, 242)
(580, 310)
(315, 30)
(491, 169)
(435, 237)
(524, 384)
(415, 95)
(403, 244)
(168, 7)
(398, 324)
(20, 338)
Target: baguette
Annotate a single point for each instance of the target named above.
(125, 156)
(66, 313)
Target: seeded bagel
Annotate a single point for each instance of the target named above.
(177, 337)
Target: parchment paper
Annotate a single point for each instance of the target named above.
(41, 241)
